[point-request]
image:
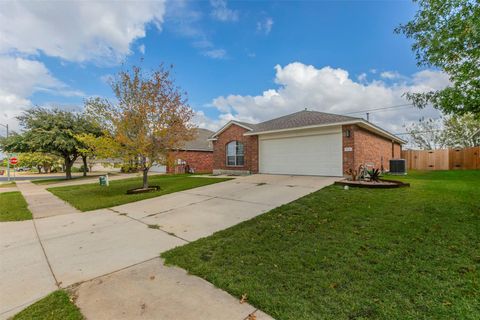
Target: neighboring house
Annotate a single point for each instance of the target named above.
(302, 143)
(196, 155)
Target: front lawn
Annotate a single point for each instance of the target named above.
(408, 253)
(55, 306)
(13, 207)
(93, 196)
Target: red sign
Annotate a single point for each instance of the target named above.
(13, 160)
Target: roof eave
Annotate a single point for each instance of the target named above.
(196, 149)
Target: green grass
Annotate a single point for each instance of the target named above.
(92, 196)
(7, 184)
(13, 207)
(408, 253)
(55, 306)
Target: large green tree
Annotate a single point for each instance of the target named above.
(446, 35)
(51, 131)
(86, 125)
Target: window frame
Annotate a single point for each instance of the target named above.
(235, 154)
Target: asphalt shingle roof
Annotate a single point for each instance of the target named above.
(302, 118)
(200, 142)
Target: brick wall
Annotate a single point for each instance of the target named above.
(367, 147)
(200, 161)
(250, 144)
(349, 143)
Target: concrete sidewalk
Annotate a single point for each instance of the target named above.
(43, 203)
(25, 275)
(153, 291)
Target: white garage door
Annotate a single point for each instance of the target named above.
(308, 155)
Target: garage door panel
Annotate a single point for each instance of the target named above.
(309, 155)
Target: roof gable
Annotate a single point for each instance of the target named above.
(245, 125)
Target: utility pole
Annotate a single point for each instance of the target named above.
(368, 116)
(8, 157)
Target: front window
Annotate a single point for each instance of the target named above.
(235, 156)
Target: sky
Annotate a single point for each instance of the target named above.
(245, 60)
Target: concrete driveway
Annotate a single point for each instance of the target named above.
(84, 248)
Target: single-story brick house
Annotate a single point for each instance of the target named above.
(302, 143)
(196, 155)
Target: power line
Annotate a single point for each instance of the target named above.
(382, 108)
(429, 131)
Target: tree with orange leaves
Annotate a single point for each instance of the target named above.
(150, 116)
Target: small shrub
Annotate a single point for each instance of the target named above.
(374, 175)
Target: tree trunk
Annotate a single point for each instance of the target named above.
(145, 172)
(145, 178)
(39, 168)
(84, 159)
(68, 167)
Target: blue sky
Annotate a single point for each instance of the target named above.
(249, 60)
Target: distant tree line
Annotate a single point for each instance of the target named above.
(446, 132)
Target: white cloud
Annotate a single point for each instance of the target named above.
(76, 30)
(390, 75)
(362, 77)
(202, 121)
(216, 53)
(221, 12)
(265, 26)
(19, 79)
(141, 49)
(331, 90)
(184, 21)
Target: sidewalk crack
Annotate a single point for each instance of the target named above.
(57, 283)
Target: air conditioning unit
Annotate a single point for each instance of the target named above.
(398, 166)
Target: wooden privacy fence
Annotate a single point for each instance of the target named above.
(443, 159)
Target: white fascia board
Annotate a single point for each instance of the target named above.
(362, 123)
(225, 127)
(381, 131)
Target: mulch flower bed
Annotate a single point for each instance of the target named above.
(143, 190)
(381, 184)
